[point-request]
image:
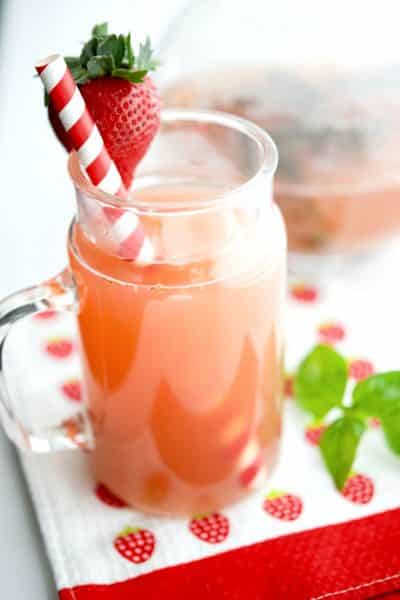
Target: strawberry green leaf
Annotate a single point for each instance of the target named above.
(132, 76)
(73, 61)
(112, 46)
(320, 381)
(100, 30)
(106, 55)
(88, 51)
(379, 395)
(391, 429)
(99, 66)
(145, 60)
(129, 55)
(338, 446)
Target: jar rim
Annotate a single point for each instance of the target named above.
(267, 165)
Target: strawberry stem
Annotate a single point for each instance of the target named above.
(127, 530)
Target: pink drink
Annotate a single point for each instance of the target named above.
(337, 135)
(182, 362)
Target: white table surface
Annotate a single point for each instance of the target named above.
(37, 203)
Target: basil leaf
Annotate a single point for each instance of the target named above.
(338, 446)
(321, 381)
(132, 76)
(391, 429)
(379, 395)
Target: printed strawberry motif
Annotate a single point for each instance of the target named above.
(358, 489)
(135, 544)
(72, 390)
(107, 497)
(283, 506)
(313, 433)
(330, 333)
(304, 293)
(212, 528)
(59, 347)
(45, 315)
(360, 369)
(288, 386)
(119, 94)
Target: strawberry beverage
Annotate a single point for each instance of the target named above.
(177, 276)
(337, 134)
(182, 359)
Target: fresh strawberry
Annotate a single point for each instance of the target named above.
(59, 347)
(119, 94)
(45, 314)
(107, 497)
(304, 293)
(283, 506)
(72, 390)
(358, 489)
(313, 433)
(135, 544)
(360, 369)
(212, 528)
(330, 333)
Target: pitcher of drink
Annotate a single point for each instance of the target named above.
(181, 355)
(329, 97)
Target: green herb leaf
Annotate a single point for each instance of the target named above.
(379, 395)
(391, 429)
(88, 51)
(100, 66)
(338, 446)
(132, 76)
(144, 60)
(321, 381)
(100, 30)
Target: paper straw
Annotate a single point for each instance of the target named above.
(125, 229)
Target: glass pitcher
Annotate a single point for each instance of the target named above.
(324, 80)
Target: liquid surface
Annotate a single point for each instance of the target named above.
(182, 371)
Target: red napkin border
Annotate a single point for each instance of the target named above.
(355, 560)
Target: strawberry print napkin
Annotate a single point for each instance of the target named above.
(298, 538)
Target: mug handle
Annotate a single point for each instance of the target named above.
(59, 293)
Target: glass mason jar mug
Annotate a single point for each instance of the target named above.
(181, 358)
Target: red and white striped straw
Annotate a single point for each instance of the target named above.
(125, 229)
